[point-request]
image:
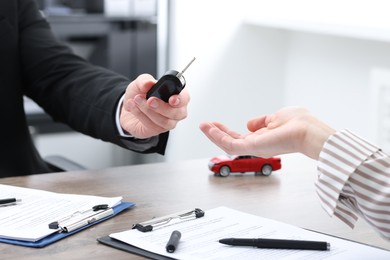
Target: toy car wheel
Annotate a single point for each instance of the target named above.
(224, 171)
(266, 170)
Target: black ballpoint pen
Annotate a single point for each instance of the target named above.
(173, 241)
(8, 201)
(277, 243)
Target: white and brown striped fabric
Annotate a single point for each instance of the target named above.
(354, 180)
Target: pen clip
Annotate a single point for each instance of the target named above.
(80, 218)
(164, 221)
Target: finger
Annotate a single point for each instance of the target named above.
(145, 126)
(228, 143)
(257, 123)
(220, 135)
(166, 110)
(143, 83)
(206, 129)
(180, 100)
(175, 109)
(225, 129)
(159, 117)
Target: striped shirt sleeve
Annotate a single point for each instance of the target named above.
(354, 180)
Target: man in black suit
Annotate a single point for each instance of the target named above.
(90, 99)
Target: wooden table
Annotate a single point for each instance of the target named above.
(159, 189)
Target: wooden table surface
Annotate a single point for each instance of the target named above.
(159, 189)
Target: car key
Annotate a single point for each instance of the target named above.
(171, 83)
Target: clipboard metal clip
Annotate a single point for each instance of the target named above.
(82, 218)
(167, 220)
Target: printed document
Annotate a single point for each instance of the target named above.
(29, 219)
(199, 239)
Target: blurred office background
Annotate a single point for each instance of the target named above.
(252, 57)
(121, 35)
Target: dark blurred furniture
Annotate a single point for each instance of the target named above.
(59, 163)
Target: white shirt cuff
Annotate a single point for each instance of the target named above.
(117, 120)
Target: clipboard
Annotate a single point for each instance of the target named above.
(222, 222)
(60, 235)
(108, 241)
(149, 226)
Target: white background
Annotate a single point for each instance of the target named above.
(254, 57)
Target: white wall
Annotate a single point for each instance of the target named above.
(243, 70)
(235, 76)
(331, 76)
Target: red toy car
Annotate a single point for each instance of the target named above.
(224, 165)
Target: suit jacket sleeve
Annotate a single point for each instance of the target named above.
(70, 89)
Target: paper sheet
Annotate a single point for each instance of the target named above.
(199, 239)
(28, 220)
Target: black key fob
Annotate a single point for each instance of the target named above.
(167, 85)
(172, 83)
